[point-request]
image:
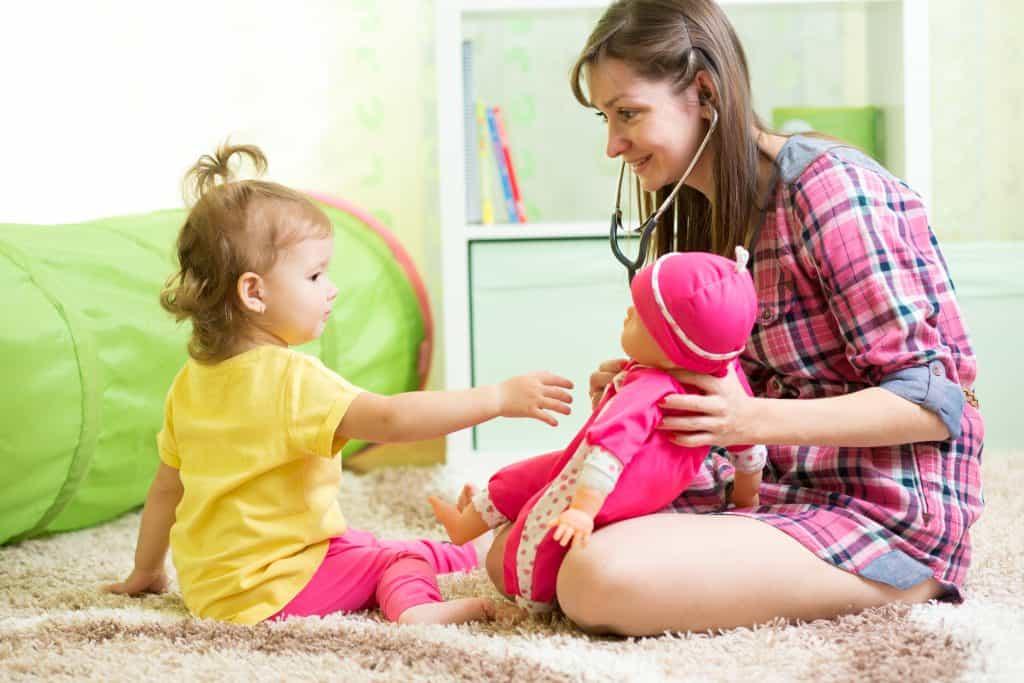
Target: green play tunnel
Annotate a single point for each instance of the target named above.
(87, 354)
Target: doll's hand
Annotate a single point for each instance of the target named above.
(745, 487)
(139, 582)
(722, 416)
(573, 526)
(745, 500)
(600, 379)
(533, 394)
(465, 497)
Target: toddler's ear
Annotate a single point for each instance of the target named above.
(250, 292)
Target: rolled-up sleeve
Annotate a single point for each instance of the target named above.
(886, 285)
(928, 386)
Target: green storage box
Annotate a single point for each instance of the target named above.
(860, 126)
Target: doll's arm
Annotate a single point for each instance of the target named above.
(600, 473)
(417, 415)
(149, 575)
(746, 481)
(576, 523)
(748, 460)
(619, 432)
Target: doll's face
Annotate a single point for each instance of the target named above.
(638, 343)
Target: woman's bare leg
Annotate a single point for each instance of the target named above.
(682, 572)
(496, 559)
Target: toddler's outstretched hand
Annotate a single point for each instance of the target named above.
(572, 526)
(140, 582)
(533, 394)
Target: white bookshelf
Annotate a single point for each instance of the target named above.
(897, 73)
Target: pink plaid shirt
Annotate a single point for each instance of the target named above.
(854, 293)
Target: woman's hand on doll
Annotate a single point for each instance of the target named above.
(139, 582)
(573, 526)
(722, 416)
(533, 395)
(600, 379)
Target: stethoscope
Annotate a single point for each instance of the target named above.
(647, 229)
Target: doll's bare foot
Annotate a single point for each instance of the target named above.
(448, 515)
(465, 497)
(449, 612)
(462, 527)
(481, 543)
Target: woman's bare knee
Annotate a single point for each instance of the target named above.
(586, 582)
(495, 563)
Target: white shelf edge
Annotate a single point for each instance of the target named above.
(917, 125)
(534, 231)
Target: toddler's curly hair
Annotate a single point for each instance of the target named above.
(233, 227)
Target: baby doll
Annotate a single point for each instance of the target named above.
(690, 310)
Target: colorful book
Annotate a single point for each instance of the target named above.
(517, 197)
(484, 163)
(499, 162)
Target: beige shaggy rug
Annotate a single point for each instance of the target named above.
(56, 624)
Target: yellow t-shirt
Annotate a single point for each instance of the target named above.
(253, 440)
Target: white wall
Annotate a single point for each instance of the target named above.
(108, 103)
(104, 104)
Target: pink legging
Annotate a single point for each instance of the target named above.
(361, 571)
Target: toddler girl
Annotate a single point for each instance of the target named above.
(690, 310)
(246, 492)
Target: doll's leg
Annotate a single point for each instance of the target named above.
(461, 527)
(499, 502)
(532, 556)
(745, 489)
(547, 560)
(511, 487)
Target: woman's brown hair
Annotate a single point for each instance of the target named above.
(233, 227)
(673, 40)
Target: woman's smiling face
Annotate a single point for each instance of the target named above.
(655, 129)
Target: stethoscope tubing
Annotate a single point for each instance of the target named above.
(647, 229)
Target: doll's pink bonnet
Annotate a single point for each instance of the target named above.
(699, 307)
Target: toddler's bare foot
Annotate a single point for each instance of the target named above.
(510, 614)
(449, 612)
